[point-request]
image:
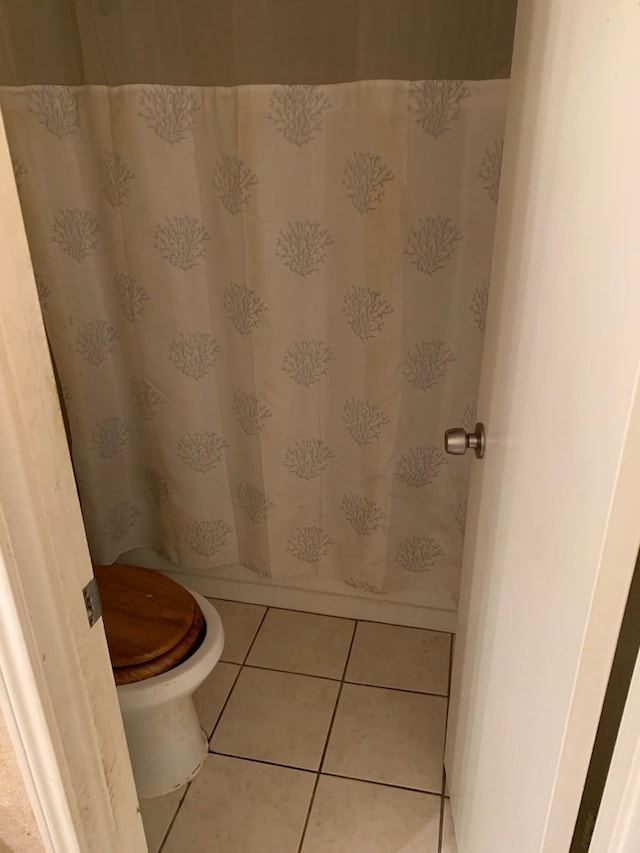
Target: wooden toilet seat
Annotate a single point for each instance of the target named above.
(151, 622)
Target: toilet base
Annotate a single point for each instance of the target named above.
(166, 744)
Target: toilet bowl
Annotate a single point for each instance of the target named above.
(164, 640)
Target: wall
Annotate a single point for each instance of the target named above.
(232, 42)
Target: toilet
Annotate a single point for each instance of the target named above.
(164, 640)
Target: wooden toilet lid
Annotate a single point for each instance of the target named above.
(151, 622)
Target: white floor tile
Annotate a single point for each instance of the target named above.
(210, 697)
(157, 814)
(360, 816)
(240, 623)
(303, 642)
(388, 736)
(405, 658)
(275, 716)
(236, 806)
(448, 836)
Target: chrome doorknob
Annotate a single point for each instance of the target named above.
(456, 441)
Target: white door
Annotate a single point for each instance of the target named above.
(56, 687)
(552, 529)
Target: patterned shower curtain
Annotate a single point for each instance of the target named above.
(265, 304)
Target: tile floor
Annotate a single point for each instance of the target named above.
(326, 736)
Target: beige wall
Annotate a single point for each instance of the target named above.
(230, 42)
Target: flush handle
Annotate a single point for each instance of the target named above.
(456, 441)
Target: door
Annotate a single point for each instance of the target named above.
(56, 687)
(552, 527)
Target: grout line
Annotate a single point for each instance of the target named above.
(292, 672)
(424, 791)
(410, 627)
(441, 828)
(331, 616)
(326, 742)
(450, 663)
(173, 819)
(446, 721)
(309, 612)
(225, 703)
(335, 707)
(317, 773)
(235, 680)
(446, 727)
(444, 771)
(262, 761)
(383, 784)
(397, 689)
(308, 815)
(348, 657)
(255, 636)
(340, 680)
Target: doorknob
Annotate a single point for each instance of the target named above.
(456, 441)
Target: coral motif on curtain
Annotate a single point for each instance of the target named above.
(265, 305)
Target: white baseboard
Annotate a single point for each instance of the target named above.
(319, 601)
(305, 593)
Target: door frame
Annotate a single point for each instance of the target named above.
(56, 686)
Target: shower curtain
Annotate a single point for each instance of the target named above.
(265, 303)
